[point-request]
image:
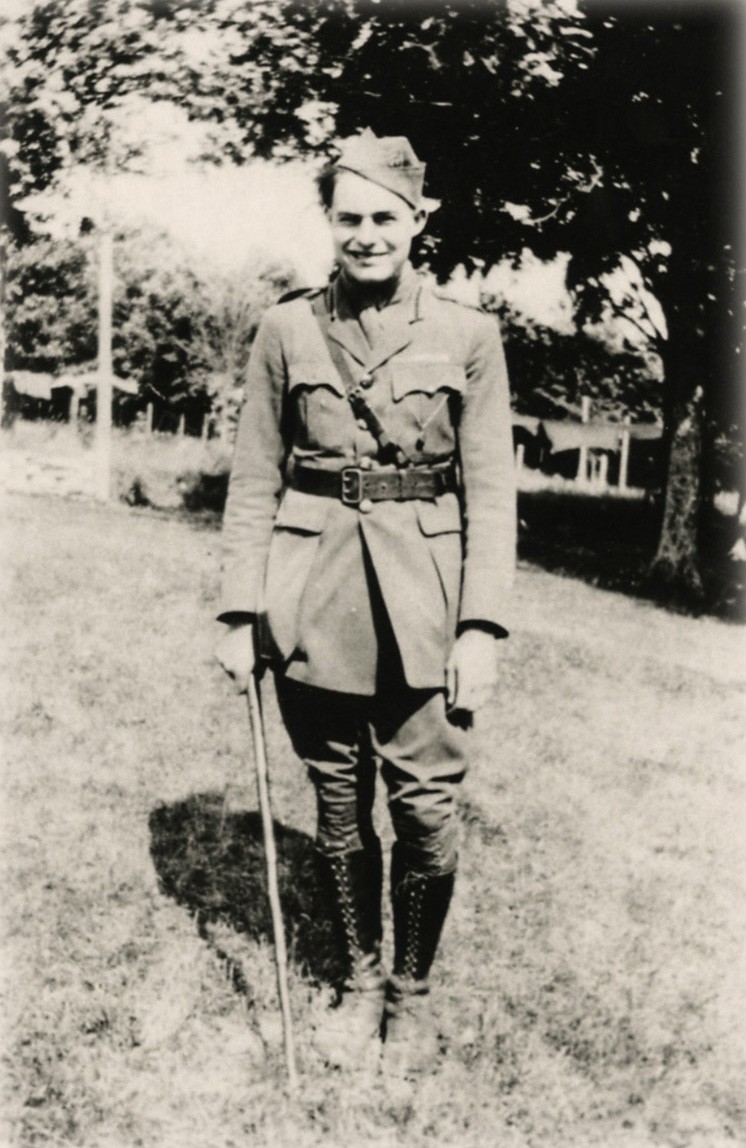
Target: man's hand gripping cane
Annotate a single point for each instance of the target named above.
(235, 652)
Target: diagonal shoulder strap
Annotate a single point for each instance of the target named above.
(390, 451)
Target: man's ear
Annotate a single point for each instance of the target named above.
(420, 219)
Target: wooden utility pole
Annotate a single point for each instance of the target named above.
(585, 414)
(104, 385)
(624, 454)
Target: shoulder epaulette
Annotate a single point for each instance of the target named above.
(446, 298)
(301, 293)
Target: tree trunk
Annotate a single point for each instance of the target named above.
(3, 255)
(676, 566)
(691, 295)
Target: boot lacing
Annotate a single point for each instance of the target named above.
(364, 970)
(413, 891)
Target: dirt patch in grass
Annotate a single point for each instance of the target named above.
(589, 987)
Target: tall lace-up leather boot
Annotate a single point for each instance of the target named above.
(350, 1029)
(420, 905)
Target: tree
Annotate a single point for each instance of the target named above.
(84, 83)
(602, 131)
(50, 306)
(663, 138)
(467, 82)
(553, 371)
(226, 329)
(181, 332)
(80, 74)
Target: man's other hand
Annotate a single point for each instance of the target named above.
(235, 652)
(472, 670)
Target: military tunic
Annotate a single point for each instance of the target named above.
(304, 564)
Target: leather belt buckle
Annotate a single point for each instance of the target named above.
(351, 492)
(418, 484)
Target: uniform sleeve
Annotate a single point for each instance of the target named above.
(256, 475)
(488, 478)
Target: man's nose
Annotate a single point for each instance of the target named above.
(366, 233)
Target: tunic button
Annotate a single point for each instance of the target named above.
(362, 425)
(365, 506)
(366, 381)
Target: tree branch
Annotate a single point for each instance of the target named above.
(659, 338)
(652, 336)
(581, 189)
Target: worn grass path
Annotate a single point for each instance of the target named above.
(590, 985)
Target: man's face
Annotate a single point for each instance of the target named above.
(372, 229)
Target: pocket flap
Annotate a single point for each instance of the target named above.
(306, 513)
(409, 377)
(314, 373)
(440, 517)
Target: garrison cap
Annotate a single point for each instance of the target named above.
(389, 161)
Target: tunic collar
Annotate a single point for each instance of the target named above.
(394, 331)
(347, 301)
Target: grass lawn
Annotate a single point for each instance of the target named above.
(590, 983)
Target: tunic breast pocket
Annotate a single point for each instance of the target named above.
(426, 399)
(319, 407)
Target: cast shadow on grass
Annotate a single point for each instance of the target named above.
(611, 542)
(212, 862)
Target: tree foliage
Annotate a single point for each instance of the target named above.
(465, 81)
(551, 372)
(226, 328)
(79, 71)
(602, 130)
(50, 306)
(183, 335)
(83, 80)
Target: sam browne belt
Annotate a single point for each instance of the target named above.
(352, 484)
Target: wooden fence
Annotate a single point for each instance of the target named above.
(587, 451)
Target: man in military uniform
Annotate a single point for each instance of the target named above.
(368, 557)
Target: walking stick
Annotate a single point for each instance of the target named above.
(278, 931)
